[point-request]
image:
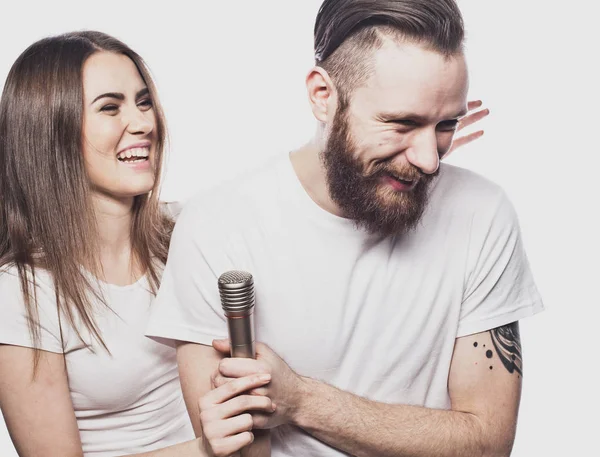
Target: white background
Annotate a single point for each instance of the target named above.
(230, 75)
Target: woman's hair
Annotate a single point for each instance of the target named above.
(46, 215)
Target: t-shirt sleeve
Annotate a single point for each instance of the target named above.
(499, 287)
(187, 306)
(172, 209)
(14, 320)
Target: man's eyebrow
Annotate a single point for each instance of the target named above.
(396, 116)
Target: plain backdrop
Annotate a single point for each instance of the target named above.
(231, 77)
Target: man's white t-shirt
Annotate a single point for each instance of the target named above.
(376, 317)
(125, 402)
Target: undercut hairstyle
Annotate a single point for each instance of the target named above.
(347, 32)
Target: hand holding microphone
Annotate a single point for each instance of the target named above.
(237, 299)
(223, 431)
(286, 388)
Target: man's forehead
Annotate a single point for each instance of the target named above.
(413, 79)
(410, 63)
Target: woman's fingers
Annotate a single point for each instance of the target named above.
(218, 429)
(236, 406)
(225, 413)
(232, 389)
(226, 447)
(245, 403)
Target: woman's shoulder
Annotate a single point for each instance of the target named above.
(14, 285)
(11, 280)
(172, 209)
(15, 314)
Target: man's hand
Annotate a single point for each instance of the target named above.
(285, 388)
(471, 118)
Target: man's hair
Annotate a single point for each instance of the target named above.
(348, 31)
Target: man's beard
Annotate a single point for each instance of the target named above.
(365, 198)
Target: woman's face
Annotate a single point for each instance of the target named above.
(119, 127)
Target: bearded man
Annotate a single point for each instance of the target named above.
(388, 287)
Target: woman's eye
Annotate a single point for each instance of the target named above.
(109, 108)
(145, 103)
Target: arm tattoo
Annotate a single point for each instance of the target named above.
(507, 343)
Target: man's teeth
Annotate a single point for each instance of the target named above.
(137, 153)
(397, 178)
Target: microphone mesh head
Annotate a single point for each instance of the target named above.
(235, 277)
(237, 291)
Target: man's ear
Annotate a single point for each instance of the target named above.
(322, 95)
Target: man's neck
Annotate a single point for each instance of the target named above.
(311, 173)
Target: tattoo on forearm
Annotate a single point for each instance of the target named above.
(507, 342)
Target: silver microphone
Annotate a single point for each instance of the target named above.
(237, 299)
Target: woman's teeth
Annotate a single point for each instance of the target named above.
(135, 154)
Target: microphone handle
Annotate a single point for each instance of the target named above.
(241, 335)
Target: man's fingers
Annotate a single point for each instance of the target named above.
(238, 367)
(472, 118)
(471, 105)
(262, 391)
(219, 380)
(461, 141)
(221, 346)
(466, 139)
(261, 420)
(232, 388)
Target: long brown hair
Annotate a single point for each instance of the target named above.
(46, 215)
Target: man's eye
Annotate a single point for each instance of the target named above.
(406, 123)
(448, 126)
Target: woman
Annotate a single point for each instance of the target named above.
(83, 241)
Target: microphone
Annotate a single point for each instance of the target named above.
(237, 299)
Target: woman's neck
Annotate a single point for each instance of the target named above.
(114, 218)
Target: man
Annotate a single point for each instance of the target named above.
(389, 288)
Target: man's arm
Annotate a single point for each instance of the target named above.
(484, 386)
(196, 365)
